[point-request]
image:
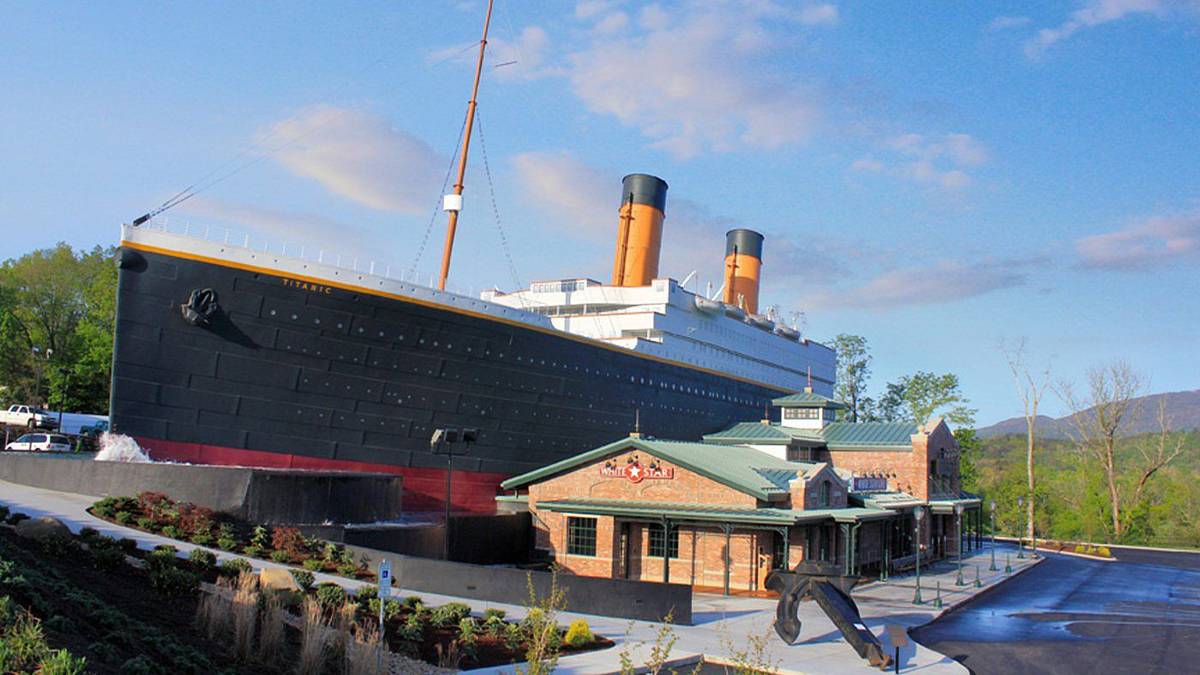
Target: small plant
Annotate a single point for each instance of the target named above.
(123, 517)
(174, 582)
(413, 629)
(145, 522)
(1103, 551)
(304, 579)
(579, 634)
(88, 533)
(227, 543)
(542, 639)
(313, 565)
(172, 532)
(330, 552)
(128, 545)
(204, 561)
(289, 540)
(468, 636)
(280, 556)
(348, 570)
(514, 636)
(412, 602)
(260, 537)
(450, 613)
(234, 567)
(202, 539)
(330, 596)
(253, 550)
(108, 557)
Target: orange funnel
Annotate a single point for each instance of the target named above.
(743, 265)
(639, 233)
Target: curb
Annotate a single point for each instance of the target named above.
(987, 590)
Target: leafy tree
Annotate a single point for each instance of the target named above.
(968, 448)
(916, 398)
(853, 370)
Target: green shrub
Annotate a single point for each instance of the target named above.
(140, 665)
(102, 652)
(123, 517)
(1103, 551)
(227, 543)
(450, 613)
(313, 565)
(204, 561)
(234, 567)
(60, 662)
(202, 538)
(413, 629)
(145, 522)
(330, 596)
(280, 556)
(330, 552)
(348, 570)
(253, 550)
(579, 634)
(174, 582)
(304, 579)
(128, 545)
(260, 537)
(1080, 548)
(108, 557)
(172, 532)
(412, 602)
(105, 507)
(88, 533)
(494, 625)
(493, 612)
(514, 635)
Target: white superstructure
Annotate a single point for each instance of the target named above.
(668, 321)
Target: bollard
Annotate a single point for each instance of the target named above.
(937, 601)
(978, 584)
(917, 594)
(993, 568)
(1007, 563)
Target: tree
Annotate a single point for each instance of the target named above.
(917, 397)
(853, 370)
(968, 448)
(1030, 389)
(1097, 422)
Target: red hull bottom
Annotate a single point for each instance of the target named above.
(424, 489)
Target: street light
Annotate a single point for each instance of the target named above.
(446, 439)
(918, 514)
(958, 511)
(992, 507)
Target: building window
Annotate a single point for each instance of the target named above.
(825, 493)
(779, 552)
(655, 549)
(830, 415)
(581, 536)
(801, 413)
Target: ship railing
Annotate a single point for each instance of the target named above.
(248, 240)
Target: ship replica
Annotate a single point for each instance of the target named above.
(230, 355)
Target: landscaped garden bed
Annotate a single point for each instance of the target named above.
(247, 624)
(1090, 550)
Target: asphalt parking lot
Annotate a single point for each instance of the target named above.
(1068, 615)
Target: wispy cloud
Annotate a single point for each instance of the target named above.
(522, 58)
(939, 161)
(1093, 13)
(581, 199)
(1007, 22)
(930, 284)
(282, 226)
(358, 156)
(1146, 244)
(697, 78)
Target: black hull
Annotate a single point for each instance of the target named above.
(334, 374)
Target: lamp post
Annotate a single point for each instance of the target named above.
(1020, 539)
(443, 442)
(992, 507)
(918, 514)
(958, 511)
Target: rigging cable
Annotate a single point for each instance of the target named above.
(437, 206)
(487, 169)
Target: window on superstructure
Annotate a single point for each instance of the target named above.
(800, 413)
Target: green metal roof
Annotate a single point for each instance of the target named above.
(747, 470)
(710, 513)
(868, 434)
(757, 433)
(807, 399)
(885, 500)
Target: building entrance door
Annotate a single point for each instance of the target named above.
(623, 547)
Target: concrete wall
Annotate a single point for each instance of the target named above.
(257, 495)
(483, 540)
(619, 598)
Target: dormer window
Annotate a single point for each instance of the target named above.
(829, 414)
(824, 495)
(801, 413)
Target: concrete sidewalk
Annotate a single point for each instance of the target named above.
(721, 624)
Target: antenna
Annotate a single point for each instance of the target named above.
(453, 202)
(637, 423)
(809, 387)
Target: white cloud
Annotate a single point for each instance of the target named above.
(867, 165)
(581, 199)
(359, 156)
(523, 58)
(922, 285)
(697, 78)
(1093, 13)
(1146, 244)
(281, 226)
(818, 14)
(1006, 22)
(937, 161)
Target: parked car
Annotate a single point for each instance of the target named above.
(41, 443)
(28, 416)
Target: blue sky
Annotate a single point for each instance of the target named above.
(935, 178)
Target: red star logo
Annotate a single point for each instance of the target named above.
(634, 471)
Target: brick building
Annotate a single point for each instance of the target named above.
(723, 513)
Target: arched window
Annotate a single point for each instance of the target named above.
(825, 493)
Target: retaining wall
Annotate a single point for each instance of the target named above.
(266, 496)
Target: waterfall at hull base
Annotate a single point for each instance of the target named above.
(120, 448)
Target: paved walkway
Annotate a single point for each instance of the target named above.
(721, 624)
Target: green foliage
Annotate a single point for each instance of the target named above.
(313, 565)
(204, 561)
(450, 613)
(108, 557)
(260, 537)
(330, 596)
(234, 567)
(145, 522)
(253, 551)
(492, 612)
(63, 303)
(579, 634)
(413, 602)
(202, 538)
(123, 517)
(172, 532)
(968, 446)
(227, 543)
(280, 556)
(128, 545)
(304, 579)
(853, 371)
(348, 569)
(918, 397)
(174, 582)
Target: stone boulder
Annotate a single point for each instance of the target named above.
(43, 529)
(277, 578)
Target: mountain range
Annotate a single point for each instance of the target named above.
(1182, 408)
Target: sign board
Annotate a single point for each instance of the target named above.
(868, 484)
(385, 579)
(636, 471)
(898, 636)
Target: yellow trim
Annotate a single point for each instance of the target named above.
(457, 310)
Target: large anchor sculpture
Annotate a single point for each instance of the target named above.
(824, 583)
(201, 307)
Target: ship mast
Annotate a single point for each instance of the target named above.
(453, 203)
